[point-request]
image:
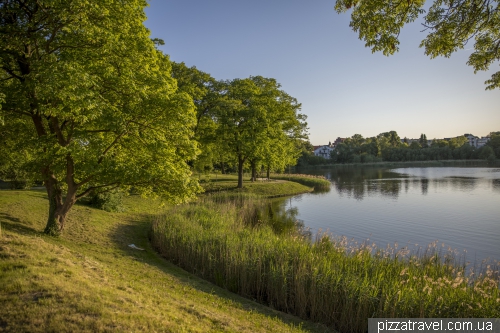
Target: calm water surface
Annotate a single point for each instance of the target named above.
(457, 207)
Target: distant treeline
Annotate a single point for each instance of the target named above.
(388, 147)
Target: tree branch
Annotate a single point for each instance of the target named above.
(90, 189)
(115, 141)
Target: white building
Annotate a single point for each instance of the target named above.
(475, 141)
(323, 151)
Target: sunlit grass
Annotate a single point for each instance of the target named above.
(318, 182)
(227, 183)
(89, 280)
(326, 280)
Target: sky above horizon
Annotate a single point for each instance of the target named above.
(312, 52)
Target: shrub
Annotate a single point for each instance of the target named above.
(110, 201)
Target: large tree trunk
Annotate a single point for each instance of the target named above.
(268, 169)
(58, 208)
(56, 220)
(57, 216)
(240, 171)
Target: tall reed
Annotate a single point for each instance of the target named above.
(325, 279)
(318, 182)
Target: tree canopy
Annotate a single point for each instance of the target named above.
(451, 25)
(89, 103)
(259, 123)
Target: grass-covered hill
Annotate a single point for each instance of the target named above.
(90, 280)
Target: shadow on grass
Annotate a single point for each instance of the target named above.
(137, 233)
(14, 224)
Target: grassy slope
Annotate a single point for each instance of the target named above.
(90, 280)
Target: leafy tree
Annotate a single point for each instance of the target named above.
(371, 147)
(307, 156)
(463, 152)
(342, 153)
(259, 123)
(415, 145)
(439, 143)
(390, 139)
(494, 143)
(241, 122)
(451, 25)
(90, 103)
(458, 142)
(486, 153)
(287, 128)
(357, 139)
(206, 94)
(423, 141)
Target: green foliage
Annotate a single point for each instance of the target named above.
(207, 96)
(388, 147)
(327, 280)
(423, 141)
(486, 153)
(260, 124)
(415, 145)
(451, 25)
(110, 201)
(90, 103)
(494, 143)
(307, 157)
(458, 142)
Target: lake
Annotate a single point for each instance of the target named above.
(456, 207)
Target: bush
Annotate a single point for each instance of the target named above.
(110, 201)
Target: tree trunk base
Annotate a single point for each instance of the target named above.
(52, 228)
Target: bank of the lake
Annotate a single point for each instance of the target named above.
(276, 186)
(90, 280)
(233, 240)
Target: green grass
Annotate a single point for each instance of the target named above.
(318, 182)
(89, 280)
(328, 280)
(269, 189)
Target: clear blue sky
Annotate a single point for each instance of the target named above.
(344, 88)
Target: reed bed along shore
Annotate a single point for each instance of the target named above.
(224, 239)
(318, 182)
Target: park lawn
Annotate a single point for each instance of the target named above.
(89, 280)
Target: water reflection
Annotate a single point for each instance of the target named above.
(424, 183)
(457, 206)
(277, 215)
(358, 183)
(495, 183)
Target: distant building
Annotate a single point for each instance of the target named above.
(475, 141)
(409, 141)
(323, 151)
(339, 140)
